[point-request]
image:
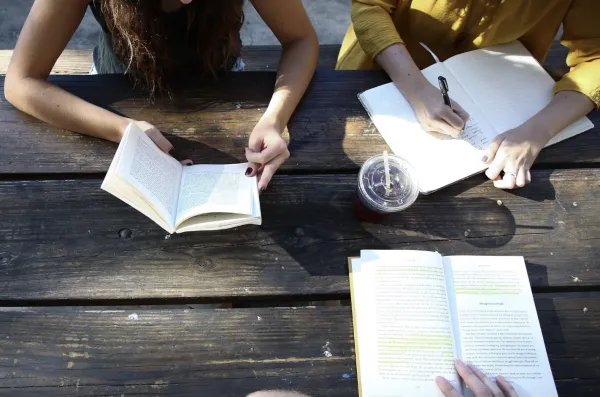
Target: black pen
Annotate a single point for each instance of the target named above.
(444, 88)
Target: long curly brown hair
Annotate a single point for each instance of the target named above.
(141, 40)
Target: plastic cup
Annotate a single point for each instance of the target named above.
(377, 199)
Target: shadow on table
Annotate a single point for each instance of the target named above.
(319, 230)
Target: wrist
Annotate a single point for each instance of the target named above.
(412, 88)
(271, 121)
(119, 126)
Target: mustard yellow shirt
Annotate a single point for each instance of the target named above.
(450, 27)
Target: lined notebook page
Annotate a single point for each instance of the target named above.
(509, 85)
(403, 330)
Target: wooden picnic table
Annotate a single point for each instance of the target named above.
(97, 300)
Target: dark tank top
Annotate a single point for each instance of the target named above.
(183, 51)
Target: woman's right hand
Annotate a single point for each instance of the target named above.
(479, 384)
(433, 114)
(159, 140)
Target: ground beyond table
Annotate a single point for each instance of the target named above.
(97, 300)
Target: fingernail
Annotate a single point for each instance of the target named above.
(459, 363)
(261, 190)
(190, 163)
(484, 159)
(249, 171)
(439, 380)
(172, 151)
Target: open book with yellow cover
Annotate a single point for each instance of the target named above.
(415, 312)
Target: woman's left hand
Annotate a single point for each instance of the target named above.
(514, 153)
(266, 151)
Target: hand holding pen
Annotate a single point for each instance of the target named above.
(433, 112)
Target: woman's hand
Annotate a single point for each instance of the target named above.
(432, 112)
(159, 140)
(515, 150)
(479, 384)
(425, 99)
(514, 153)
(265, 153)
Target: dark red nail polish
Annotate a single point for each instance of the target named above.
(249, 171)
(172, 151)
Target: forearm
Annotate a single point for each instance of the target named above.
(565, 108)
(61, 109)
(399, 65)
(296, 68)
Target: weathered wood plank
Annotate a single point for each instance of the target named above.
(256, 58)
(65, 351)
(71, 62)
(61, 239)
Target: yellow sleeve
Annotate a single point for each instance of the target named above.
(582, 37)
(373, 25)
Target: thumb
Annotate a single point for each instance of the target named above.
(490, 152)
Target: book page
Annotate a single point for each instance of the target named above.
(215, 189)
(509, 85)
(499, 329)
(403, 332)
(438, 159)
(153, 173)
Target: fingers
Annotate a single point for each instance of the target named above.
(270, 169)
(267, 154)
(471, 380)
(528, 177)
(446, 388)
(490, 153)
(255, 145)
(159, 140)
(521, 177)
(508, 181)
(443, 127)
(506, 387)
(186, 162)
(462, 113)
(452, 118)
(491, 385)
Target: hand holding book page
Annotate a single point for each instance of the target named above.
(415, 312)
(498, 328)
(479, 384)
(178, 198)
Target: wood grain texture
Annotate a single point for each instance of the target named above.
(256, 58)
(210, 123)
(70, 62)
(87, 351)
(70, 240)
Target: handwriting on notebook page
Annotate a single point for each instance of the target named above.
(474, 135)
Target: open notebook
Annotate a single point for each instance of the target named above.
(180, 198)
(501, 87)
(416, 311)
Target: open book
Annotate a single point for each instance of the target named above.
(501, 87)
(180, 198)
(416, 311)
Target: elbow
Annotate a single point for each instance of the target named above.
(10, 89)
(13, 89)
(16, 90)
